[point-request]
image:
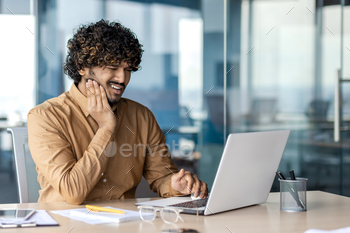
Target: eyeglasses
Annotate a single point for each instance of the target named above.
(169, 215)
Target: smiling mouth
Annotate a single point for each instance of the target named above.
(115, 87)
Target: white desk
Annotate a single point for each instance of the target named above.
(325, 211)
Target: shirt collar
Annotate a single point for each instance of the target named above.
(82, 100)
(79, 98)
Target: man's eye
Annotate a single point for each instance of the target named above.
(112, 68)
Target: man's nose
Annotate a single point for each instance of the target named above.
(120, 74)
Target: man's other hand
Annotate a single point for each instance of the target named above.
(185, 182)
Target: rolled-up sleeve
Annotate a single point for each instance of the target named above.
(159, 167)
(73, 179)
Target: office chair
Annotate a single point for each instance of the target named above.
(318, 110)
(263, 111)
(28, 186)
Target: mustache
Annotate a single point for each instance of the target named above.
(111, 82)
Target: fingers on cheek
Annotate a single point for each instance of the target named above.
(102, 91)
(88, 90)
(97, 89)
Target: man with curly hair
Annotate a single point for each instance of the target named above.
(79, 139)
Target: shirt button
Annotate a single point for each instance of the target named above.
(102, 174)
(104, 180)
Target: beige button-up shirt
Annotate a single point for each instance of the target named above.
(77, 161)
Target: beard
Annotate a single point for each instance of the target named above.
(112, 102)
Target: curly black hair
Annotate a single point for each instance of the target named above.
(101, 44)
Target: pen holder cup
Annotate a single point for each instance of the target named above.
(293, 194)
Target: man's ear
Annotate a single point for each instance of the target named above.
(83, 71)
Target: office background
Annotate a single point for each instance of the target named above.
(210, 68)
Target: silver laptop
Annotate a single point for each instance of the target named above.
(244, 177)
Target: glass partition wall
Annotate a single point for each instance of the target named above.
(17, 91)
(285, 57)
(215, 67)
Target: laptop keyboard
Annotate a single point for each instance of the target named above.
(192, 204)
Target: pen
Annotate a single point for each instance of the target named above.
(97, 208)
(280, 175)
(292, 176)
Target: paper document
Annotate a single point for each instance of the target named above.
(342, 230)
(85, 215)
